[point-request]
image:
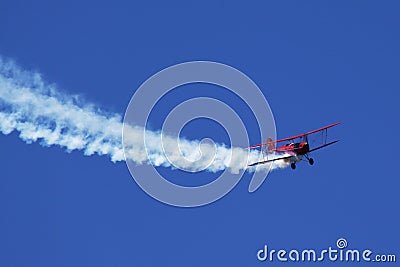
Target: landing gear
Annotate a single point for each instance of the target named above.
(293, 166)
(310, 160)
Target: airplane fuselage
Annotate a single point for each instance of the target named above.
(298, 149)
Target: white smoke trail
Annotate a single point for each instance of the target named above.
(39, 112)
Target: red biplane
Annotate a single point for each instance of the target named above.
(294, 151)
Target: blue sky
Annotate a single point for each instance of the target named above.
(317, 62)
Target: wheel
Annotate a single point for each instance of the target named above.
(293, 166)
(311, 161)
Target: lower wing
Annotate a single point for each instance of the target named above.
(288, 157)
(270, 160)
(324, 145)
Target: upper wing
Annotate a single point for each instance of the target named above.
(296, 136)
(270, 160)
(308, 133)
